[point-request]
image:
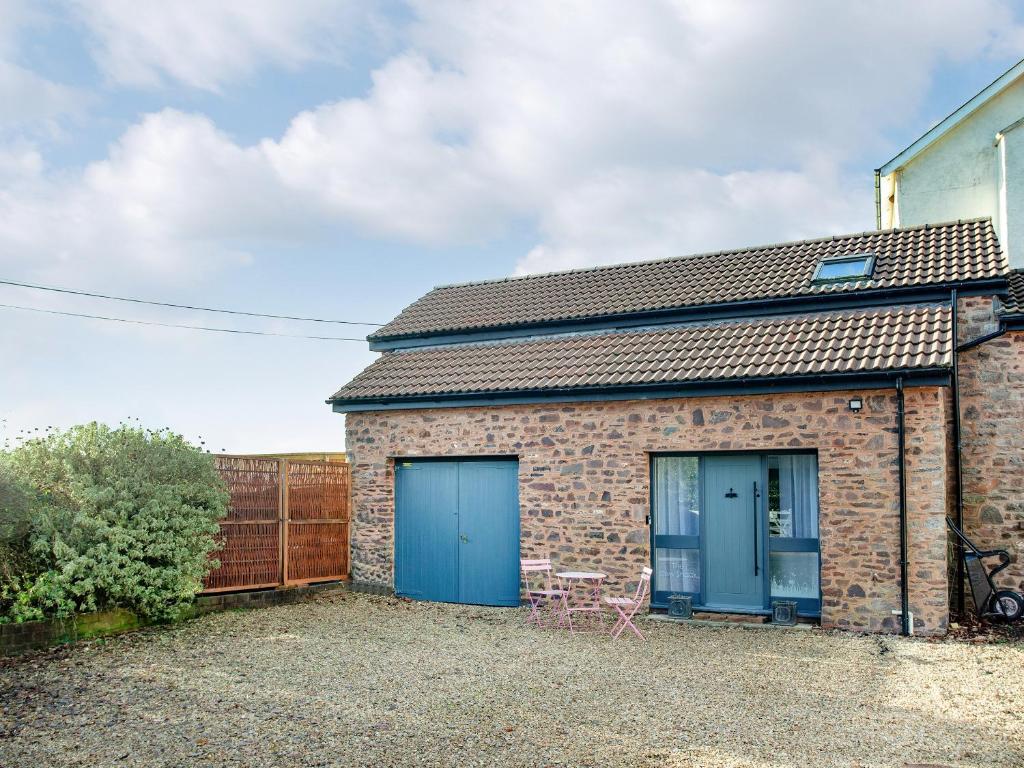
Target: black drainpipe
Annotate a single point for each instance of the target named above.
(958, 442)
(958, 458)
(904, 589)
(878, 198)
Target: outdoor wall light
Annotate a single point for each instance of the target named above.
(856, 404)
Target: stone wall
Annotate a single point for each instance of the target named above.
(992, 422)
(584, 483)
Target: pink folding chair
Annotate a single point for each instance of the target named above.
(627, 607)
(544, 597)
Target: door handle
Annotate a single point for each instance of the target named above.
(756, 568)
(463, 538)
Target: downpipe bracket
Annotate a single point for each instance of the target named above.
(910, 621)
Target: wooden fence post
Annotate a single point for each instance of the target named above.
(284, 519)
(348, 524)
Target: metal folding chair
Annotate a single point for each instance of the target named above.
(547, 602)
(627, 607)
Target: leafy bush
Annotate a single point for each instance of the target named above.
(15, 526)
(94, 517)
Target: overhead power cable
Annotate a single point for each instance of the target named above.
(181, 306)
(176, 325)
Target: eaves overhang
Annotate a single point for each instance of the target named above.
(935, 376)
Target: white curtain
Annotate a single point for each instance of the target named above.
(798, 495)
(677, 513)
(677, 507)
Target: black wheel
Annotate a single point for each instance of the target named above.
(1009, 604)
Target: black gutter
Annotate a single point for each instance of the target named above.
(706, 388)
(1013, 322)
(901, 436)
(874, 297)
(958, 457)
(982, 339)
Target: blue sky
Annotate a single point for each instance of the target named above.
(337, 159)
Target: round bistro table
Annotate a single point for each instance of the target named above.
(583, 594)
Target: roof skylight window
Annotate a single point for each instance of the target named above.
(856, 266)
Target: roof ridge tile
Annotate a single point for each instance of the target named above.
(930, 254)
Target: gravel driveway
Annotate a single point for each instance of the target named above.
(353, 680)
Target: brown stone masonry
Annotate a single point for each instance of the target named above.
(992, 414)
(585, 487)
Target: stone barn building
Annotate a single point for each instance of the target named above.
(761, 424)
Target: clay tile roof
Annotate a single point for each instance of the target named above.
(1014, 304)
(918, 256)
(851, 341)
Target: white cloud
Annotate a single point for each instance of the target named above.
(14, 16)
(176, 198)
(27, 97)
(619, 132)
(207, 44)
(627, 215)
(18, 161)
(511, 111)
(397, 163)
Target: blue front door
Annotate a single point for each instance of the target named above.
(733, 533)
(457, 531)
(736, 531)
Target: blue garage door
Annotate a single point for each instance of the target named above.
(457, 531)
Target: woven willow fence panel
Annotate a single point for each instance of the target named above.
(279, 532)
(318, 494)
(251, 532)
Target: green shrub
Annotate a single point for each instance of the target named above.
(101, 518)
(15, 527)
